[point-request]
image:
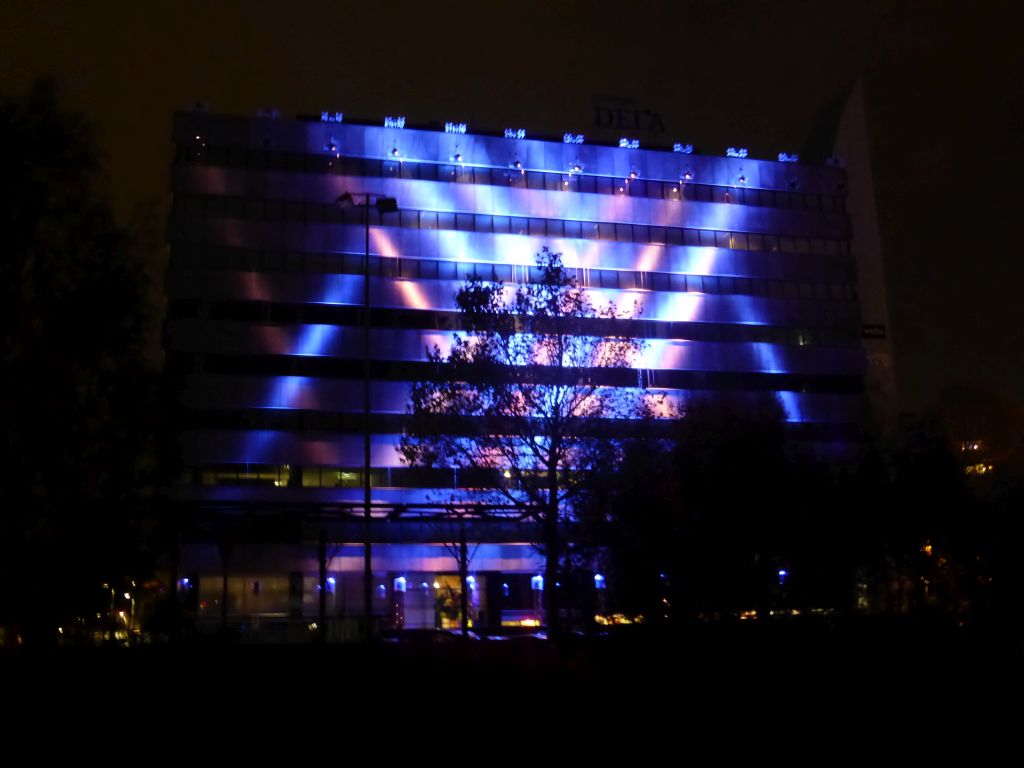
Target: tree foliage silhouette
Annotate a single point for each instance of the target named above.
(521, 402)
(74, 330)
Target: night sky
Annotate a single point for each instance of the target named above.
(945, 90)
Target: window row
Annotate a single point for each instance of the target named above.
(330, 162)
(430, 269)
(325, 213)
(425, 320)
(183, 362)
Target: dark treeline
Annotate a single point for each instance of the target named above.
(728, 517)
(80, 397)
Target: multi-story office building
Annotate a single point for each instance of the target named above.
(743, 268)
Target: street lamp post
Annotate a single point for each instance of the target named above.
(383, 204)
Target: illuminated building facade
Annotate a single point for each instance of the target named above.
(743, 268)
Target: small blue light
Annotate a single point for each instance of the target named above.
(471, 581)
(505, 588)
(741, 152)
(381, 587)
(599, 582)
(330, 580)
(185, 582)
(537, 583)
(399, 584)
(424, 585)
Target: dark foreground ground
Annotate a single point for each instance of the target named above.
(865, 680)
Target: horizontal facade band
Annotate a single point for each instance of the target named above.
(338, 398)
(415, 145)
(179, 363)
(508, 265)
(408, 345)
(227, 446)
(207, 282)
(261, 311)
(302, 198)
(440, 295)
(351, 421)
(572, 179)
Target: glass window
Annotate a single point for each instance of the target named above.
(803, 244)
(657, 235)
(674, 236)
(465, 222)
(623, 233)
(518, 225)
(554, 228)
(537, 227)
(603, 185)
(573, 229)
(484, 223)
(710, 284)
(501, 224)
(707, 237)
(690, 237)
(658, 281)
(590, 229)
(410, 219)
(755, 241)
(446, 221)
(585, 183)
(739, 241)
(447, 270)
(428, 220)
(694, 283)
(428, 269)
(771, 243)
(535, 180)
